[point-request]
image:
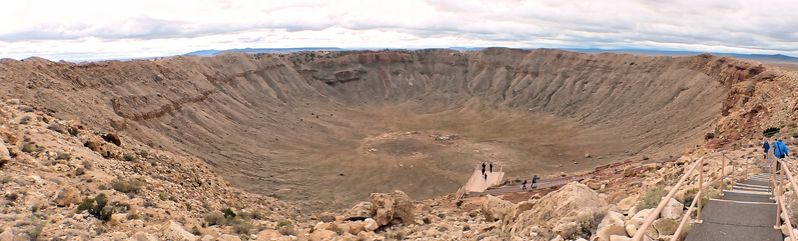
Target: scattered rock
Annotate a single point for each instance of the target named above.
(142, 236)
(327, 217)
(112, 138)
(174, 231)
(495, 208)
(389, 207)
(627, 203)
(360, 211)
(320, 235)
(67, 196)
(611, 225)
(227, 237)
(268, 234)
(371, 224)
(572, 201)
(7, 235)
(673, 210)
(93, 145)
(665, 226)
(619, 238)
(5, 156)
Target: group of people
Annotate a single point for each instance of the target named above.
(533, 185)
(779, 150)
(484, 173)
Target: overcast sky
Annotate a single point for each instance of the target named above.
(102, 29)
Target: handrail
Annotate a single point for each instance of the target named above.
(781, 208)
(692, 207)
(641, 231)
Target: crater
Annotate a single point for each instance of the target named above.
(325, 129)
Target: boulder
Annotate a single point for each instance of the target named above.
(174, 231)
(227, 237)
(67, 196)
(320, 235)
(112, 138)
(356, 227)
(495, 208)
(371, 224)
(5, 156)
(327, 217)
(360, 211)
(7, 235)
(390, 207)
(619, 238)
(268, 234)
(635, 221)
(612, 224)
(673, 210)
(665, 226)
(142, 236)
(627, 203)
(571, 202)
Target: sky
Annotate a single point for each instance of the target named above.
(115, 29)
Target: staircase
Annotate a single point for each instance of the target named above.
(745, 213)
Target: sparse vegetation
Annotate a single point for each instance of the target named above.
(97, 207)
(215, 218)
(72, 131)
(128, 157)
(709, 136)
(63, 156)
(36, 230)
(285, 227)
(80, 171)
(771, 131)
(24, 120)
(28, 147)
(652, 197)
(127, 186)
(587, 224)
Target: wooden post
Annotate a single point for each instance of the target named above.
(723, 173)
(700, 189)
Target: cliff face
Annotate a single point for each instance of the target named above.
(328, 128)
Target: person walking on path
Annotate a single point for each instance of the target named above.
(780, 151)
(523, 186)
(483, 169)
(765, 147)
(491, 167)
(534, 181)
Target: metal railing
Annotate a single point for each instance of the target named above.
(778, 193)
(695, 206)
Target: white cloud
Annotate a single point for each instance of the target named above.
(122, 29)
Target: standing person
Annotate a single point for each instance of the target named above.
(765, 147)
(491, 167)
(780, 151)
(483, 169)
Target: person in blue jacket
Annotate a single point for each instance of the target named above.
(765, 147)
(780, 151)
